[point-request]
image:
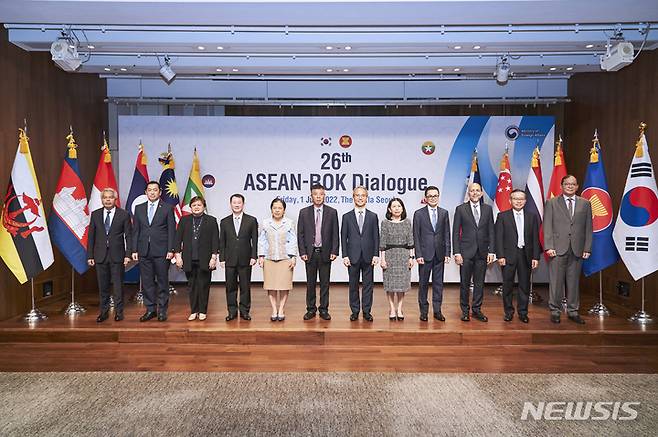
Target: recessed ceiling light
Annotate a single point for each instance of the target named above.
(122, 69)
(348, 47)
(589, 46)
(476, 47)
(90, 46)
(457, 47)
(345, 70)
(235, 70)
(456, 69)
(219, 70)
(329, 70)
(439, 69)
(329, 47)
(553, 68)
(220, 48)
(107, 69)
(201, 47)
(569, 68)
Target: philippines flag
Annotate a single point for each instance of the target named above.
(104, 179)
(636, 228)
(137, 193)
(595, 189)
(473, 176)
(502, 201)
(559, 171)
(534, 192)
(69, 217)
(168, 183)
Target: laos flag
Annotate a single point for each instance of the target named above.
(69, 217)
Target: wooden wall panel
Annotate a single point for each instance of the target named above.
(51, 100)
(615, 104)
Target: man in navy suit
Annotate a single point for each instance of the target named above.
(473, 240)
(360, 243)
(154, 232)
(431, 228)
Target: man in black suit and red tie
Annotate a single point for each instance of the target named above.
(473, 242)
(318, 242)
(518, 251)
(154, 232)
(109, 243)
(238, 252)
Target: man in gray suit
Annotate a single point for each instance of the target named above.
(567, 241)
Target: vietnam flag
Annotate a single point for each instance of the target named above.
(559, 171)
(194, 185)
(104, 179)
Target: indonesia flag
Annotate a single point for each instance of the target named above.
(104, 179)
(534, 192)
(502, 201)
(137, 193)
(69, 217)
(559, 171)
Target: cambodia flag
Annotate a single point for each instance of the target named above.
(69, 217)
(137, 193)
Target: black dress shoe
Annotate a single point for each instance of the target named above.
(354, 317)
(325, 316)
(367, 317)
(577, 319)
(102, 317)
(245, 316)
(400, 318)
(508, 317)
(231, 317)
(465, 317)
(309, 315)
(524, 319)
(162, 317)
(481, 317)
(148, 316)
(439, 317)
(118, 317)
(423, 317)
(555, 318)
(274, 318)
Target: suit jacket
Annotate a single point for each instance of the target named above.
(360, 244)
(329, 231)
(237, 250)
(507, 237)
(118, 242)
(562, 231)
(429, 243)
(157, 238)
(208, 241)
(467, 238)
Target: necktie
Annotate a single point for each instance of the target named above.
(151, 212)
(570, 207)
(360, 221)
(107, 223)
(318, 229)
(434, 219)
(519, 230)
(476, 214)
(237, 225)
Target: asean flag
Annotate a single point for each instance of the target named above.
(69, 217)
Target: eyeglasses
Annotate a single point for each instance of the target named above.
(432, 196)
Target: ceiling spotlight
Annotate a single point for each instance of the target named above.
(235, 70)
(439, 69)
(64, 55)
(553, 68)
(166, 71)
(91, 47)
(329, 70)
(107, 69)
(348, 47)
(219, 70)
(220, 48)
(329, 48)
(457, 47)
(201, 47)
(345, 70)
(569, 68)
(123, 69)
(476, 47)
(589, 46)
(502, 71)
(456, 69)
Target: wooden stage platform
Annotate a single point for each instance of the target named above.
(61, 343)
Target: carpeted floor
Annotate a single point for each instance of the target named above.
(313, 404)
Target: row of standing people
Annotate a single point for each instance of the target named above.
(199, 245)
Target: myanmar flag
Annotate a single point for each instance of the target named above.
(194, 185)
(24, 241)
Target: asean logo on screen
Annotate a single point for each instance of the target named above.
(639, 207)
(601, 207)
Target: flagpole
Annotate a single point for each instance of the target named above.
(35, 315)
(74, 308)
(641, 317)
(599, 309)
(139, 296)
(533, 296)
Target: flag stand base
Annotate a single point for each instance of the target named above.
(172, 290)
(111, 301)
(533, 297)
(641, 317)
(74, 308)
(498, 291)
(599, 309)
(35, 315)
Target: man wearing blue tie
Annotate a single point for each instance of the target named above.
(431, 228)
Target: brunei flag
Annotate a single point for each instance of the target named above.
(168, 183)
(24, 241)
(194, 185)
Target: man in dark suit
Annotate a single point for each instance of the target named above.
(108, 248)
(360, 241)
(431, 228)
(473, 240)
(567, 241)
(318, 242)
(518, 251)
(238, 252)
(154, 231)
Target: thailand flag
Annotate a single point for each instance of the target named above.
(473, 177)
(104, 179)
(69, 217)
(595, 189)
(137, 193)
(534, 192)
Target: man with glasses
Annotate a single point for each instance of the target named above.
(567, 241)
(431, 228)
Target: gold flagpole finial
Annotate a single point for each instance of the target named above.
(23, 140)
(558, 143)
(71, 144)
(169, 148)
(643, 127)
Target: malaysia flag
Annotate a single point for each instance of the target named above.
(69, 217)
